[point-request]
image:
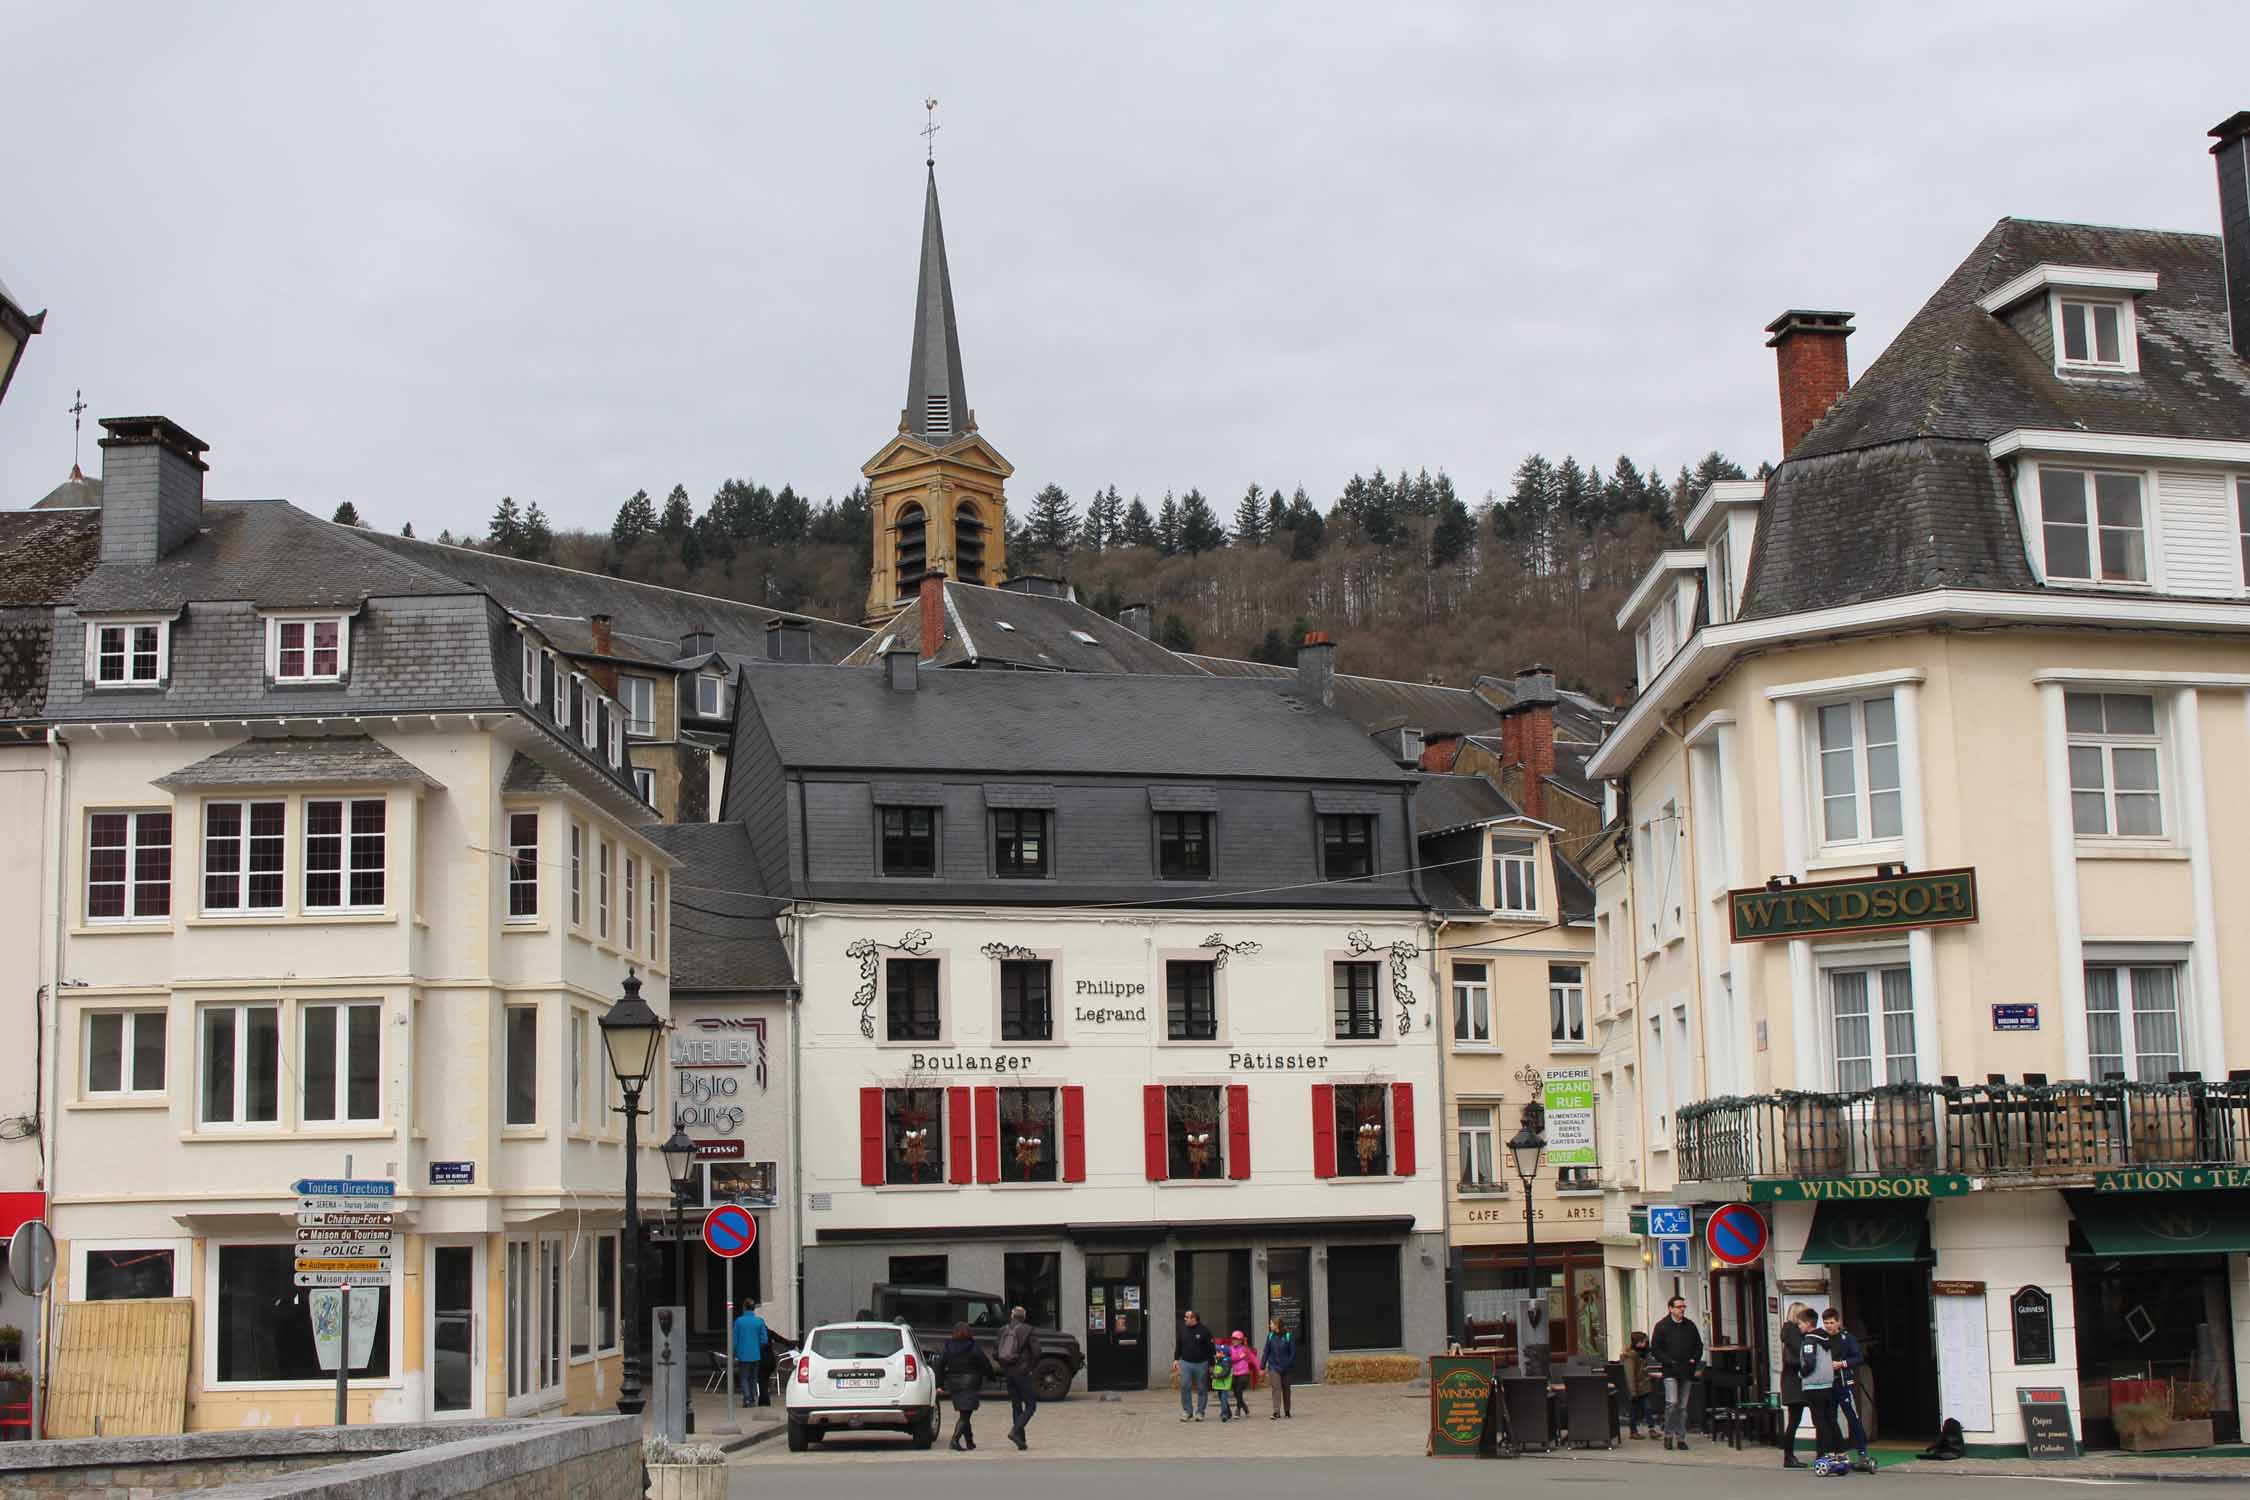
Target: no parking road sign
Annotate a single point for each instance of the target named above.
(729, 1230)
(1736, 1234)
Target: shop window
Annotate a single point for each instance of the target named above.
(1191, 1007)
(581, 1300)
(1194, 1132)
(1217, 1285)
(243, 844)
(1358, 1016)
(1019, 843)
(122, 1275)
(913, 1136)
(1029, 1144)
(1032, 1280)
(1365, 1309)
(261, 1326)
(128, 866)
(240, 1064)
(1363, 1137)
(125, 1052)
(1183, 845)
(1347, 846)
(910, 1010)
(1472, 1003)
(1026, 1001)
(2133, 1021)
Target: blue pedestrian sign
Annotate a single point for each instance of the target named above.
(1670, 1221)
(1672, 1255)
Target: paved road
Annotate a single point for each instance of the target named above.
(947, 1476)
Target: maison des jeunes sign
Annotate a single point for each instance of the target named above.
(1830, 908)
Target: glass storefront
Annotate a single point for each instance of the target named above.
(1493, 1277)
(2155, 1329)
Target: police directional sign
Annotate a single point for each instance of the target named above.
(1736, 1234)
(1670, 1221)
(729, 1230)
(1672, 1255)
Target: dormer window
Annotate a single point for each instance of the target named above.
(127, 653)
(711, 695)
(2090, 314)
(307, 650)
(2091, 526)
(2092, 334)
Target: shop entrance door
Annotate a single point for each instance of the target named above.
(1288, 1295)
(1117, 1332)
(1888, 1308)
(453, 1333)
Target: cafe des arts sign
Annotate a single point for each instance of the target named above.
(1841, 908)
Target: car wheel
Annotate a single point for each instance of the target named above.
(1050, 1379)
(923, 1429)
(800, 1435)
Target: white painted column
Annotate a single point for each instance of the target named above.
(1921, 944)
(2206, 1045)
(1742, 975)
(2062, 854)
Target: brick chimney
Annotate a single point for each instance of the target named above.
(1316, 666)
(2232, 153)
(602, 637)
(932, 620)
(152, 488)
(788, 640)
(1808, 350)
(1527, 734)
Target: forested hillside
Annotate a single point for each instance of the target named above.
(1411, 579)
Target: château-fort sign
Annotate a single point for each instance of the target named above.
(1827, 908)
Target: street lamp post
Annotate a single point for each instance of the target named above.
(630, 1033)
(1526, 1146)
(679, 1165)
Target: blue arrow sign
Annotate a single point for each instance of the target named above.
(345, 1187)
(1672, 1255)
(1670, 1221)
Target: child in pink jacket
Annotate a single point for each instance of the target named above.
(1245, 1362)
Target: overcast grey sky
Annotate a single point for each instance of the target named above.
(417, 256)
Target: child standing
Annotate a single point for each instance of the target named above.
(1638, 1409)
(1244, 1359)
(1222, 1378)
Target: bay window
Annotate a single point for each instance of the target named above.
(243, 846)
(344, 854)
(601, 890)
(632, 903)
(239, 1064)
(523, 866)
(577, 874)
(520, 1051)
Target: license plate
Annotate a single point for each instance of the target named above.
(859, 1377)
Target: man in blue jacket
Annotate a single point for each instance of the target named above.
(750, 1337)
(1848, 1356)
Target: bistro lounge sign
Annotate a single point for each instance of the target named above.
(1833, 908)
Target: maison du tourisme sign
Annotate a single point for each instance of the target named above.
(1835, 908)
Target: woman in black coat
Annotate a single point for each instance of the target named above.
(963, 1369)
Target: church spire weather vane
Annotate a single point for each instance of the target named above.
(77, 410)
(929, 133)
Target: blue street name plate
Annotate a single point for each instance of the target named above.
(1670, 1221)
(1672, 1255)
(2015, 1018)
(453, 1174)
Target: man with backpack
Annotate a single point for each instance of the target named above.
(1816, 1369)
(1848, 1357)
(1793, 1330)
(1018, 1352)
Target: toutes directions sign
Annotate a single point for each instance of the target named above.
(1889, 903)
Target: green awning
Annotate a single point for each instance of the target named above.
(2112, 1225)
(1869, 1233)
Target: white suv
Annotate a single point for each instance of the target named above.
(860, 1375)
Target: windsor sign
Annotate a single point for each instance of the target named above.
(1828, 908)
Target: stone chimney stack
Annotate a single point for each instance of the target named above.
(1808, 351)
(1139, 619)
(1316, 666)
(788, 640)
(933, 612)
(152, 488)
(2232, 153)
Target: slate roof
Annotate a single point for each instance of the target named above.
(1007, 628)
(44, 554)
(1061, 723)
(337, 760)
(1378, 703)
(1444, 803)
(724, 937)
(27, 639)
(268, 553)
(75, 493)
(645, 616)
(1893, 491)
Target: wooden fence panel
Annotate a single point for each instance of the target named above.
(125, 1362)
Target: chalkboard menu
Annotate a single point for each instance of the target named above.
(2033, 1313)
(1460, 1404)
(2046, 1421)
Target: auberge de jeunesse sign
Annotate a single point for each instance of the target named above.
(1827, 908)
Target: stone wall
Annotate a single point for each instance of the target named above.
(575, 1458)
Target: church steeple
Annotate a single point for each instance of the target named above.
(937, 400)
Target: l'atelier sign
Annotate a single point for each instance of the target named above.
(1827, 908)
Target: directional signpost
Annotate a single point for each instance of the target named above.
(345, 1240)
(1672, 1226)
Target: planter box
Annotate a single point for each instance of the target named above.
(2178, 1435)
(687, 1482)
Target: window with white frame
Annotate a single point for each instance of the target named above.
(1472, 1002)
(307, 650)
(632, 903)
(2116, 765)
(601, 890)
(127, 653)
(2093, 333)
(1871, 1025)
(253, 1344)
(616, 740)
(1475, 1136)
(644, 784)
(124, 1052)
(128, 866)
(566, 692)
(520, 1051)
(577, 874)
(589, 726)
(638, 694)
(2133, 1021)
(523, 866)
(238, 1064)
(340, 1062)
(579, 1034)
(1856, 750)
(710, 695)
(344, 853)
(1722, 580)
(655, 917)
(1566, 1004)
(2242, 524)
(533, 1326)
(243, 849)
(1515, 875)
(530, 671)
(2092, 526)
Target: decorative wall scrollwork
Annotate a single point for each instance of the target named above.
(870, 955)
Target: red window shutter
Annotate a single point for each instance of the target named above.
(1238, 1130)
(988, 1135)
(959, 1136)
(871, 1137)
(1074, 1133)
(1152, 1121)
(1402, 1129)
(1324, 1130)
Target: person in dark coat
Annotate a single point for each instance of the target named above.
(1793, 1331)
(1678, 1346)
(1192, 1348)
(963, 1368)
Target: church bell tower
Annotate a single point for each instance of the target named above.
(936, 488)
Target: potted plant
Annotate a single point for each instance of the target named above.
(15, 1385)
(11, 1343)
(685, 1471)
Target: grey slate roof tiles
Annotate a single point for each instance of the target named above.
(44, 554)
(1377, 703)
(723, 933)
(337, 760)
(1445, 803)
(266, 553)
(1002, 627)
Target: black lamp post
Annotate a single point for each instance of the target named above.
(630, 1033)
(1527, 1145)
(679, 1165)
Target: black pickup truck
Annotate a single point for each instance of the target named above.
(932, 1312)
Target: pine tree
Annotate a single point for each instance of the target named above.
(538, 538)
(1139, 531)
(1250, 518)
(1053, 522)
(1168, 525)
(504, 532)
(678, 519)
(1307, 531)
(636, 518)
(1104, 525)
(407, 531)
(1174, 636)
(1273, 650)
(347, 514)
(1200, 531)
(1451, 536)
(1276, 508)
(445, 535)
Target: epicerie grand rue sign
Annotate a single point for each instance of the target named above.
(1834, 908)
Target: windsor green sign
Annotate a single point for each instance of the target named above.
(1856, 1189)
(1830, 908)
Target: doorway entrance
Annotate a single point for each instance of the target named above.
(1888, 1307)
(1117, 1335)
(453, 1331)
